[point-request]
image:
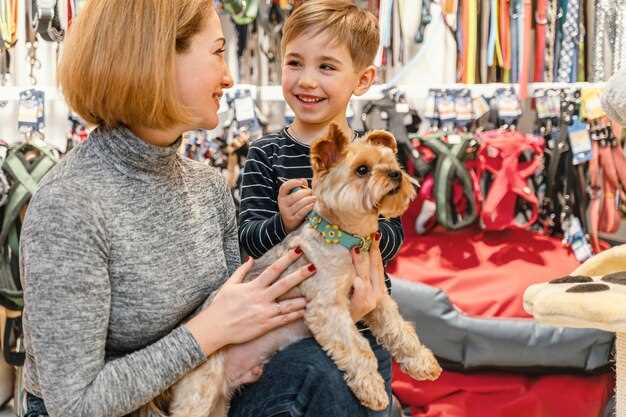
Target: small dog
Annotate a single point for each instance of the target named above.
(354, 183)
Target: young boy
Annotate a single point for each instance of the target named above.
(328, 48)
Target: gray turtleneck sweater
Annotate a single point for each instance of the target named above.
(120, 244)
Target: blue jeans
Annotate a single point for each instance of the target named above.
(299, 381)
(35, 406)
(302, 381)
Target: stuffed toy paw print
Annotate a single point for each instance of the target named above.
(592, 296)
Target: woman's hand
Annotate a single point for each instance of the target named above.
(242, 311)
(243, 363)
(369, 284)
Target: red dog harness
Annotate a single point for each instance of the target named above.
(607, 172)
(499, 155)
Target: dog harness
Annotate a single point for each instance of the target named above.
(607, 172)
(449, 173)
(500, 155)
(333, 235)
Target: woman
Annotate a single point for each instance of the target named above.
(125, 240)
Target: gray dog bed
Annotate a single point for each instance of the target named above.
(465, 343)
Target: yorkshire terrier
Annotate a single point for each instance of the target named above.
(354, 183)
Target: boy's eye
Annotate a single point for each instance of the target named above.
(327, 67)
(362, 170)
(220, 51)
(293, 63)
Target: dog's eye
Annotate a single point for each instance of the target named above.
(362, 170)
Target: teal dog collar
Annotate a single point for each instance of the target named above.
(333, 235)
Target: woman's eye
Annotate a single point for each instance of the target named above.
(221, 51)
(362, 170)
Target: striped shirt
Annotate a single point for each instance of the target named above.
(273, 160)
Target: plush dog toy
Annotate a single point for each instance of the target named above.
(593, 296)
(355, 183)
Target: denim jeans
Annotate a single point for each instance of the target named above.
(302, 381)
(299, 381)
(35, 407)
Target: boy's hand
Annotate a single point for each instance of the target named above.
(294, 207)
(369, 284)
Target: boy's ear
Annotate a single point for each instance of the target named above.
(381, 137)
(367, 77)
(328, 150)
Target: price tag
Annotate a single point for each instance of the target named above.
(591, 108)
(509, 107)
(430, 111)
(553, 102)
(580, 142)
(541, 103)
(31, 111)
(574, 236)
(464, 110)
(480, 107)
(445, 104)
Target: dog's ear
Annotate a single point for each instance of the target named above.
(381, 137)
(328, 150)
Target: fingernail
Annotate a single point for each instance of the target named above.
(357, 250)
(297, 250)
(312, 268)
(377, 236)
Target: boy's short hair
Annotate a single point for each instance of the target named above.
(343, 21)
(118, 61)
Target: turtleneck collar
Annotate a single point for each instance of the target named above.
(131, 155)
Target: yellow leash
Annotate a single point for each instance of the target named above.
(472, 51)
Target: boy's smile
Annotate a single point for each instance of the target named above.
(318, 80)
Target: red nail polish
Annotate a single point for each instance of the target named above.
(297, 250)
(357, 250)
(377, 236)
(312, 268)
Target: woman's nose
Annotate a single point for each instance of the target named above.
(227, 80)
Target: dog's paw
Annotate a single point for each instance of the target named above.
(422, 367)
(370, 390)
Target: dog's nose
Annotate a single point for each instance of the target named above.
(394, 175)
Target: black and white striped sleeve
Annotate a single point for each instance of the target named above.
(391, 238)
(260, 225)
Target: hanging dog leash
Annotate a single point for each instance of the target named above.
(45, 20)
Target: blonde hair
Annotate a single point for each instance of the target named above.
(118, 62)
(342, 21)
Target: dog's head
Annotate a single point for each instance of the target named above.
(360, 178)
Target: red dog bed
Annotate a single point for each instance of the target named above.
(485, 274)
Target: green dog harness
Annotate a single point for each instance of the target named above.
(448, 169)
